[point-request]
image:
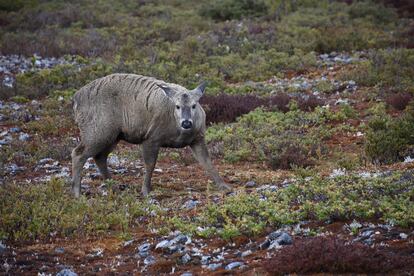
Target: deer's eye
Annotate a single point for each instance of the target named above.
(177, 107)
(194, 106)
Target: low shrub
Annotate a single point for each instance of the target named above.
(385, 198)
(333, 255)
(388, 68)
(281, 139)
(29, 212)
(233, 9)
(389, 140)
(399, 101)
(225, 108)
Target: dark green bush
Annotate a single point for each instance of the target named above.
(388, 68)
(233, 9)
(389, 140)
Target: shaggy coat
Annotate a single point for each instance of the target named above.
(139, 110)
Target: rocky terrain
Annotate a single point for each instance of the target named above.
(147, 251)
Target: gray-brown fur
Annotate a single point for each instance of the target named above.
(139, 110)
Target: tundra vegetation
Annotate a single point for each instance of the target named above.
(310, 118)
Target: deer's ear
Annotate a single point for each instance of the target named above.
(200, 89)
(166, 89)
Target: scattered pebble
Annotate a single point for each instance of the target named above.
(403, 236)
(214, 266)
(59, 250)
(149, 260)
(127, 243)
(163, 244)
(233, 265)
(66, 272)
(186, 258)
(190, 204)
(3, 247)
(250, 184)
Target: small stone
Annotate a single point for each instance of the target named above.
(205, 260)
(163, 244)
(13, 169)
(98, 252)
(3, 247)
(114, 161)
(59, 250)
(176, 248)
(66, 272)
(15, 129)
(264, 244)
(183, 239)
(45, 160)
(233, 265)
(355, 225)
(366, 234)
(250, 184)
(214, 266)
(144, 247)
(187, 274)
(186, 258)
(149, 260)
(246, 253)
(403, 236)
(24, 137)
(190, 204)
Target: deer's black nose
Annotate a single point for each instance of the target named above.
(186, 124)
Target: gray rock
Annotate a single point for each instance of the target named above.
(214, 266)
(205, 260)
(149, 260)
(66, 272)
(114, 161)
(13, 169)
(144, 247)
(5, 141)
(3, 247)
(59, 250)
(176, 248)
(284, 239)
(265, 244)
(246, 253)
(24, 137)
(250, 184)
(15, 129)
(186, 258)
(233, 265)
(403, 236)
(276, 239)
(128, 242)
(163, 244)
(183, 239)
(190, 204)
(187, 274)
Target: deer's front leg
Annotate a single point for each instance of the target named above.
(200, 153)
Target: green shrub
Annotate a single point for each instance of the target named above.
(37, 211)
(322, 199)
(281, 139)
(389, 68)
(62, 77)
(389, 140)
(233, 9)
